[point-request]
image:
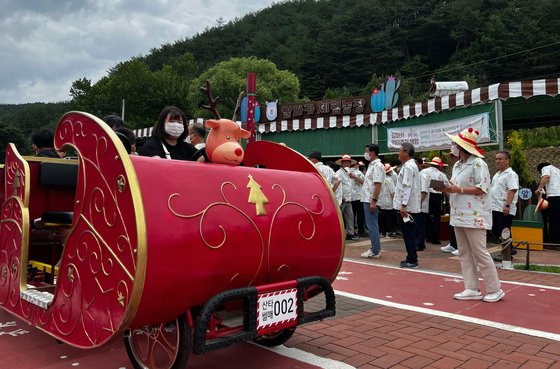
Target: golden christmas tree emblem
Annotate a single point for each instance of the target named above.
(256, 196)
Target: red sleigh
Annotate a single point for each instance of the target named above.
(179, 256)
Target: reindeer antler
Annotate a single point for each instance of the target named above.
(237, 105)
(213, 107)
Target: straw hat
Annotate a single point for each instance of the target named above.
(345, 157)
(541, 205)
(436, 161)
(388, 168)
(468, 139)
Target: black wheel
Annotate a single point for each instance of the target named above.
(276, 338)
(163, 346)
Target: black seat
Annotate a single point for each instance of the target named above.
(54, 219)
(58, 174)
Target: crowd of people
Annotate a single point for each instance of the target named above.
(374, 196)
(414, 191)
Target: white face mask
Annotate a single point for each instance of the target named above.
(367, 156)
(174, 129)
(188, 139)
(454, 149)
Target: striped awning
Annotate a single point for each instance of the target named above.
(147, 132)
(503, 91)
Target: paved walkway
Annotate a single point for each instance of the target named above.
(367, 335)
(386, 318)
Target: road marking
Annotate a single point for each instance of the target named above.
(308, 357)
(453, 275)
(443, 314)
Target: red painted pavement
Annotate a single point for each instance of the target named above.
(523, 306)
(24, 347)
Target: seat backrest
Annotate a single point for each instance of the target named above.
(58, 174)
(529, 214)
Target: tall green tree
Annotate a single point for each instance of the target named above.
(229, 78)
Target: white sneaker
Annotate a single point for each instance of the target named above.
(447, 248)
(455, 252)
(468, 295)
(370, 254)
(494, 296)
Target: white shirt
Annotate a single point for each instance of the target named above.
(357, 186)
(471, 211)
(502, 182)
(346, 183)
(328, 174)
(409, 177)
(375, 174)
(200, 145)
(424, 187)
(553, 186)
(429, 174)
(386, 195)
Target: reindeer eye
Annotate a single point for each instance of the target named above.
(227, 137)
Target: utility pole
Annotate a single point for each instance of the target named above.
(122, 110)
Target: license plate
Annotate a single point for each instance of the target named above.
(277, 309)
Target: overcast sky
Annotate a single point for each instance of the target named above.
(45, 45)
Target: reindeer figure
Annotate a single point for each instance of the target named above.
(223, 142)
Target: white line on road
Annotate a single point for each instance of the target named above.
(487, 323)
(445, 274)
(309, 358)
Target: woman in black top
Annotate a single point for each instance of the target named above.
(168, 137)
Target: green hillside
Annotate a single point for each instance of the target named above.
(309, 49)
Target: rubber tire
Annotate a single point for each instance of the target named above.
(276, 339)
(184, 347)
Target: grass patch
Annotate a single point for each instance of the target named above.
(540, 268)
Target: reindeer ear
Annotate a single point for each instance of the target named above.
(210, 124)
(245, 134)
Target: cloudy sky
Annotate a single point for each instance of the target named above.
(45, 45)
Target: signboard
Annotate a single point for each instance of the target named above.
(525, 193)
(432, 136)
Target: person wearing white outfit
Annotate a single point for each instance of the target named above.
(346, 185)
(328, 174)
(407, 202)
(373, 181)
(434, 200)
(505, 184)
(357, 208)
(550, 180)
(471, 217)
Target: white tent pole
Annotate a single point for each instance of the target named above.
(499, 124)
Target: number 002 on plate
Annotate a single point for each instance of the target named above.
(277, 309)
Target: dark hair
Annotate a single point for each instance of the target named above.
(542, 165)
(408, 148)
(199, 129)
(114, 121)
(43, 139)
(373, 148)
(395, 163)
(419, 160)
(505, 153)
(128, 133)
(315, 155)
(159, 128)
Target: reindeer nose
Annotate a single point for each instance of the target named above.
(238, 151)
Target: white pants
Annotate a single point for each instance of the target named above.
(472, 251)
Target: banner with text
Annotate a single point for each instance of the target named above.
(432, 136)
